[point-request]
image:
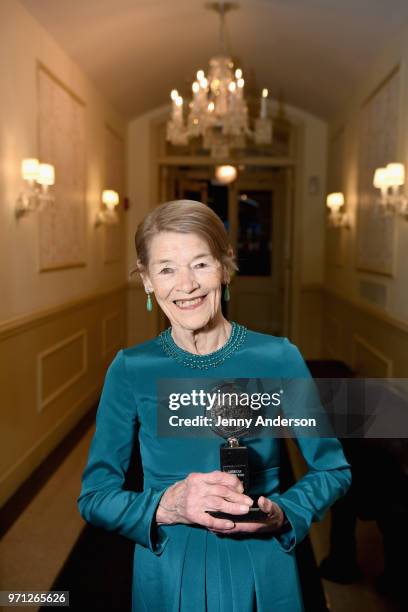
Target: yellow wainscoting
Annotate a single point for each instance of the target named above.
(310, 321)
(332, 335)
(52, 368)
(371, 342)
(368, 361)
(141, 324)
(60, 366)
(112, 329)
(365, 337)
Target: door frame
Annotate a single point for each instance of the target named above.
(168, 170)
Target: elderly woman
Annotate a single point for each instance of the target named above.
(185, 558)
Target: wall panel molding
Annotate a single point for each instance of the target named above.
(112, 329)
(80, 365)
(368, 359)
(373, 344)
(52, 371)
(333, 335)
(370, 310)
(342, 319)
(23, 323)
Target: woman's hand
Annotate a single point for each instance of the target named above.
(273, 522)
(187, 501)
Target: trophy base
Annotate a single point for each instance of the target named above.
(255, 515)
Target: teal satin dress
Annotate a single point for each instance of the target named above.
(185, 567)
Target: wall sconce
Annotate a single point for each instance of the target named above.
(389, 180)
(337, 218)
(36, 194)
(226, 174)
(108, 215)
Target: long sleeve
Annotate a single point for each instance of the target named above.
(103, 501)
(328, 476)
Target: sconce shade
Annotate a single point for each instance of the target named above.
(380, 178)
(225, 174)
(46, 174)
(395, 174)
(110, 198)
(389, 180)
(335, 201)
(29, 169)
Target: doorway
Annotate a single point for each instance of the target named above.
(256, 213)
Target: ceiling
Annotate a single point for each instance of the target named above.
(136, 51)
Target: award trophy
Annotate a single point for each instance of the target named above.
(233, 454)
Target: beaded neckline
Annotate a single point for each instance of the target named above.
(237, 336)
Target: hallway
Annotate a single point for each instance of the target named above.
(288, 121)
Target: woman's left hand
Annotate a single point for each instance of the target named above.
(273, 522)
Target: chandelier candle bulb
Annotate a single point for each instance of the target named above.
(264, 107)
(232, 87)
(174, 95)
(240, 89)
(178, 109)
(195, 104)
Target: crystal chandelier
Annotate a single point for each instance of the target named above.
(218, 111)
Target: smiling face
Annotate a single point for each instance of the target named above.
(186, 279)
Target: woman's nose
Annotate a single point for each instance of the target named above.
(186, 280)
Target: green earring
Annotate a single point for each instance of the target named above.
(149, 303)
(227, 293)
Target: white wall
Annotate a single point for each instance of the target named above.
(23, 41)
(345, 279)
(140, 173)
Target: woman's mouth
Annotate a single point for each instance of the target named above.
(190, 304)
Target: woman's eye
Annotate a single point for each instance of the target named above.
(202, 264)
(166, 271)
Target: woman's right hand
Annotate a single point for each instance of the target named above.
(187, 501)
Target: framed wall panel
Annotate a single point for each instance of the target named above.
(61, 142)
(378, 140)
